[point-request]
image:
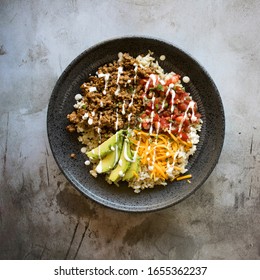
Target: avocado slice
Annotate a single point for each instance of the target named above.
(123, 164)
(132, 170)
(110, 160)
(105, 148)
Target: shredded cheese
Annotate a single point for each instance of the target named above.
(159, 152)
(184, 177)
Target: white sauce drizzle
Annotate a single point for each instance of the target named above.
(119, 72)
(116, 123)
(166, 95)
(123, 108)
(135, 69)
(126, 155)
(78, 96)
(186, 79)
(193, 117)
(116, 150)
(147, 85)
(172, 100)
(120, 56)
(92, 89)
(99, 166)
(132, 98)
(85, 116)
(83, 150)
(106, 76)
(152, 114)
(129, 117)
(162, 57)
(152, 78)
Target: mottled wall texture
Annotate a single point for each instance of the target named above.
(42, 216)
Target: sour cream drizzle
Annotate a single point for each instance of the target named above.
(166, 95)
(116, 149)
(152, 114)
(123, 108)
(132, 98)
(106, 76)
(152, 78)
(99, 167)
(135, 69)
(172, 100)
(119, 72)
(126, 155)
(193, 117)
(92, 89)
(129, 117)
(116, 123)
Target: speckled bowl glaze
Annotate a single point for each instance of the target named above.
(62, 143)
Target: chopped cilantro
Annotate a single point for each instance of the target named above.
(160, 87)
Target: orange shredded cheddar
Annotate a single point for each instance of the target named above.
(184, 177)
(158, 153)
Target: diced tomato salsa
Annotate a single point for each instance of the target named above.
(168, 106)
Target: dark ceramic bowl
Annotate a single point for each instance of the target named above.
(62, 143)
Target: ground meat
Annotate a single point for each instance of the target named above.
(111, 100)
(73, 117)
(71, 128)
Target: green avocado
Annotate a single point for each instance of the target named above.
(110, 160)
(132, 170)
(105, 148)
(123, 164)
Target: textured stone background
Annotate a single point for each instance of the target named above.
(42, 216)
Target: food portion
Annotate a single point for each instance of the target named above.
(137, 123)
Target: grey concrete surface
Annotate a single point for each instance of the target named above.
(42, 216)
